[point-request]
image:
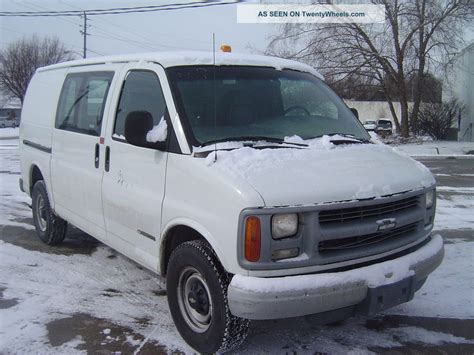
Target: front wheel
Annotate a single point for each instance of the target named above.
(51, 229)
(197, 295)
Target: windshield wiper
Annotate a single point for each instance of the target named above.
(253, 139)
(352, 138)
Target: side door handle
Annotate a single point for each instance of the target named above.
(107, 158)
(96, 157)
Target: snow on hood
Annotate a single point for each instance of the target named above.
(323, 172)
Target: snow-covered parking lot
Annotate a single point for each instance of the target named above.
(84, 297)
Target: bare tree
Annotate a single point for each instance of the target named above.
(417, 34)
(19, 61)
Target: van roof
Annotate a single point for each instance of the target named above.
(171, 59)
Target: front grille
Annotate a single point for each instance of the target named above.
(363, 240)
(358, 213)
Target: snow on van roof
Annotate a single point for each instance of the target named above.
(171, 59)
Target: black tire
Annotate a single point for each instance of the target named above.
(51, 229)
(224, 331)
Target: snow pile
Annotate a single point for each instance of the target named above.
(323, 142)
(9, 133)
(158, 133)
(294, 139)
(248, 158)
(418, 335)
(441, 148)
(375, 137)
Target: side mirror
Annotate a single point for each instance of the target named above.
(137, 125)
(355, 112)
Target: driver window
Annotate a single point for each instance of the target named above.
(141, 92)
(305, 98)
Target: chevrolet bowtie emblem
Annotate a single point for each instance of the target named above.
(386, 224)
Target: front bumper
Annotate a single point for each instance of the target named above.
(291, 296)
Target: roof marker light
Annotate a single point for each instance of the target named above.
(226, 48)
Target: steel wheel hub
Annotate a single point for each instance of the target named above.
(41, 213)
(194, 299)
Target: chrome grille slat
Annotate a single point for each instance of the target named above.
(348, 214)
(359, 241)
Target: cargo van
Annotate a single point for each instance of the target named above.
(243, 180)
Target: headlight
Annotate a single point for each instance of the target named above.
(430, 198)
(284, 225)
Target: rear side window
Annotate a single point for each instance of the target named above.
(82, 102)
(141, 92)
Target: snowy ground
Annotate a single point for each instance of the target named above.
(438, 148)
(9, 133)
(425, 146)
(84, 297)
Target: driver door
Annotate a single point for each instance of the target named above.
(133, 186)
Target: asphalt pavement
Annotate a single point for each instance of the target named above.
(101, 335)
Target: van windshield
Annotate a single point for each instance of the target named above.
(231, 102)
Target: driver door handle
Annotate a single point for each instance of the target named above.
(107, 158)
(96, 156)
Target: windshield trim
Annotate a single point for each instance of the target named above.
(186, 125)
(254, 139)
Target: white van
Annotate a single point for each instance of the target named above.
(248, 184)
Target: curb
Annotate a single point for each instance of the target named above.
(443, 156)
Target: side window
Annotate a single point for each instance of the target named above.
(67, 106)
(82, 102)
(141, 92)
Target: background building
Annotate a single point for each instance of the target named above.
(460, 86)
(10, 108)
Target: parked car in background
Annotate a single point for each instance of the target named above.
(384, 127)
(5, 122)
(370, 125)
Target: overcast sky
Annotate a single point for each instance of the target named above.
(189, 29)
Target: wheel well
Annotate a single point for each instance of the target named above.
(173, 238)
(35, 176)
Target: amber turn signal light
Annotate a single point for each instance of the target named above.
(252, 239)
(226, 48)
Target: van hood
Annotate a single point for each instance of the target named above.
(323, 173)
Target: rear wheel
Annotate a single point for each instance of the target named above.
(51, 229)
(197, 295)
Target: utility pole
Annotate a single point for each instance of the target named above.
(85, 34)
